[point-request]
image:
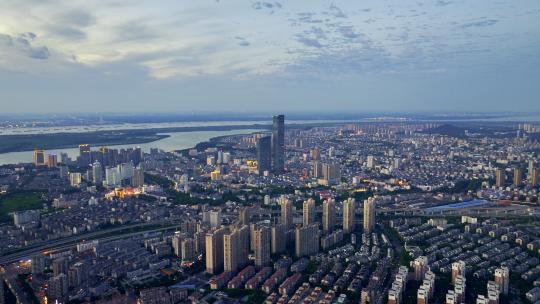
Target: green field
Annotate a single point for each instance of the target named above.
(17, 201)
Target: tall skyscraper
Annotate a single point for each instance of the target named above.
(533, 177)
(75, 179)
(517, 177)
(188, 249)
(85, 157)
(286, 217)
(214, 251)
(306, 240)
(264, 154)
(531, 166)
(215, 217)
(112, 177)
(39, 158)
(38, 264)
(329, 216)
(97, 173)
(369, 215)
(308, 212)
(331, 173)
(235, 248)
(279, 240)
(52, 161)
(262, 246)
(502, 278)
(278, 144)
(177, 244)
(138, 177)
(349, 209)
(317, 171)
(230, 248)
(499, 178)
(244, 215)
(370, 163)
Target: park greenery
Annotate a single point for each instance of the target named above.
(17, 201)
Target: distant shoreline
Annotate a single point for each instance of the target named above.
(28, 142)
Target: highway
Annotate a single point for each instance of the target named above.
(69, 242)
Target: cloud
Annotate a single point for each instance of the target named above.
(444, 2)
(242, 41)
(480, 23)
(23, 44)
(347, 31)
(76, 18)
(317, 32)
(311, 42)
(68, 32)
(135, 31)
(266, 5)
(305, 18)
(336, 12)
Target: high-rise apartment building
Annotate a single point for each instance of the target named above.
(349, 209)
(531, 166)
(517, 177)
(177, 244)
(262, 246)
(317, 171)
(85, 155)
(264, 154)
(286, 217)
(308, 212)
(244, 215)
(188, 247)
(38, 264)
(97, 173)
(369, 215)
(421, 266)
(39, 158)
(278, 144)
(52, 161)
(533, 177)
(235, 248)
(215, 218)
(502, 278)
(329, 216)
(279, 238)
(214, 251)
(112, 177)
(306, 240)
(459, 268)
(138, 177)
(331, 173)
(370, 162)
(499, 178)
(75, 179)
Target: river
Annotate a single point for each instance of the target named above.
(175, 141)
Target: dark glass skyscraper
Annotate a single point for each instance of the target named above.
(278, 144)
(264, 154)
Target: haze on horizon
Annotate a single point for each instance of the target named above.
(256, 56)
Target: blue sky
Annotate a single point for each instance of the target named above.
(231, 55)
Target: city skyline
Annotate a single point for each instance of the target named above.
(270, 56)
(249, 152)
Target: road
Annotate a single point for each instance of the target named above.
(69, 242)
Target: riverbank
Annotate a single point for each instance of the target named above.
(28, 142)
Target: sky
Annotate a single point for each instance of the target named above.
(191, 56)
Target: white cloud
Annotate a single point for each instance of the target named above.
(193, 38)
